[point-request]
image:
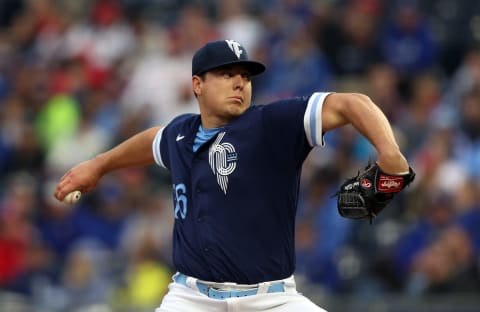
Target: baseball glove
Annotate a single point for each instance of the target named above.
(365, 195)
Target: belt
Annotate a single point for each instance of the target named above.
(210, 290)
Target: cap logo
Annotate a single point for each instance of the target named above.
(235, 47)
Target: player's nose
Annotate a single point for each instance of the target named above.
(238, 81)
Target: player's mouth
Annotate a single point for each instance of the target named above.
(237, 99)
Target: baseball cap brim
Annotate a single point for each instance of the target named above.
(254, 68)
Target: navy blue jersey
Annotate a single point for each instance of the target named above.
(235, 197)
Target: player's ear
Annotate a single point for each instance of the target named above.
(196, 85)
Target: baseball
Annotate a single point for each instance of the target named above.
(72, 197)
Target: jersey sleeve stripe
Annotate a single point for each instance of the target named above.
(313, 119)
(156, 148)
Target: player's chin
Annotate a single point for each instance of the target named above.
(237, 108)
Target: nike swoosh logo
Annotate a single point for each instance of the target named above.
(180, 137)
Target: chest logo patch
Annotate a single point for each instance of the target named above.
(223, 160)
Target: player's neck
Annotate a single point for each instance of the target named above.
(213, 122)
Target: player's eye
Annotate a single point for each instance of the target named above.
(227, 74)
(246, 76)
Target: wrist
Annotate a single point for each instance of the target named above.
(393, 162)
(101, 163)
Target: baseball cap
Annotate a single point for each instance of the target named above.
(223, 52)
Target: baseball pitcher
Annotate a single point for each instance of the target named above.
(235, 171)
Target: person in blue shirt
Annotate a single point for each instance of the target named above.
(235, 171)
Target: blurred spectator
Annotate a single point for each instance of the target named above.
(19, 148)
(407, 42)
(83, 284)
(49, 26)
(434, 161)
(450, 262)
(160, 83)
(294, 58)
(383, 88)
(466, 77)
(350, 40)
(416, 120)
(85, 279)
(436, 268)
(101, 42)
(146, 243)
(151, 221)
(321, 232)
(350, 150)
(85, 141)
(57, 120)
(469, 219)
(150, 34)
(453, 27)
(236, 22)
(103, 219)
(438, 215)
(21, 252)
(58, 228)
(467, 139)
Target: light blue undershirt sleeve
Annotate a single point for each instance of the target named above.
(203, 135)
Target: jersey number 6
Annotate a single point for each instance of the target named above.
(180, 200)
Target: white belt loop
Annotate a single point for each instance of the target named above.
(175, 276)
(192, 283)
(263, 288)
(290, 285)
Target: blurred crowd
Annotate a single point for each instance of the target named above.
(78, 77)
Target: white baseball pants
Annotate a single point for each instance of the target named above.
(185, 296)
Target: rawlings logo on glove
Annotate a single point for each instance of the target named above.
(365, 195)
(390, 184)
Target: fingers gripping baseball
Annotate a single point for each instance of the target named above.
(72, 197)
(78, 180)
